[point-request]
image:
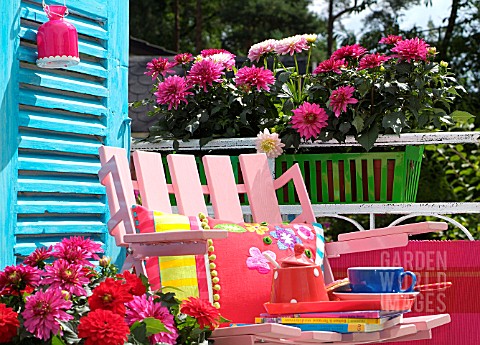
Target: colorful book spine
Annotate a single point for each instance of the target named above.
(347, 327)
(288, 320)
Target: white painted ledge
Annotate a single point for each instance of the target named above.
(383, 140)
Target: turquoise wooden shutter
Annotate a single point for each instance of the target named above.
(62, 117)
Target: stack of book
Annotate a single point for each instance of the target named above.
(340, 322)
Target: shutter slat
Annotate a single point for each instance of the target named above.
(43, 184)
(54, 81)
(65, 205)
(67, 165)
(53, 101)
(39, 226)
(61, 123)
(71, 145)
(84, 26)
(26, 245)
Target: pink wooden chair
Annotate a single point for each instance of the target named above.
(224, 196)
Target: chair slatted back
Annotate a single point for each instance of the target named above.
(188, 189)
(151, 181)
(223, 189)
(259, 187)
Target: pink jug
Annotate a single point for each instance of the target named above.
(57, 40)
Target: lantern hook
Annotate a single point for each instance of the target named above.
(46, 8)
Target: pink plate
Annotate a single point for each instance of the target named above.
(334, 306)
(352, 296)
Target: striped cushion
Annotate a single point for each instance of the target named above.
(185, 275)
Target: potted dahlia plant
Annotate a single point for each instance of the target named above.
(396, 88)
(57, 296)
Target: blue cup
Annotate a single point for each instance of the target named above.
(379, 279)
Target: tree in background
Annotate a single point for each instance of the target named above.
(191, 25)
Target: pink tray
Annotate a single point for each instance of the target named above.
(333, 306)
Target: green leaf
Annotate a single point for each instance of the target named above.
(368, 138)
(154, 326)
(203, 141)
(358, 123)
(395, 121)
(344, 127)
(56, 340)
(284, 76)
(461, 116)
(139, 332)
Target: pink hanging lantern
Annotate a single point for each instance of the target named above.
(57, 39)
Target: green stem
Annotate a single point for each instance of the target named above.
(298, 96)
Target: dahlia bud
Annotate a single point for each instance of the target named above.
(432, 50)
(443, 63)
(311, 38)
(104, 261)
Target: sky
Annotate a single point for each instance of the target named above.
(417, 15)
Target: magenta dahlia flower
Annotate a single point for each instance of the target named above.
(42, 312)
(159, 66)
(340, 98)
(260, 49)
(390, 39)
(309, 119)
(66, 276)
(38, 256)
(352, 51)
(14, 279)
(183, 59)
(142, 307)
(248, 78)
(77, 250)
(205, 72)
(172, 91)
(414, 49)
(291, 45)
(330, 65)
(372, 61)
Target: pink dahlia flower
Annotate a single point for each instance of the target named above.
(205, 72)
(159, 66)
(269, 143)
(172, 91)
(330, 65)
(372, 61)
(340, 98)
(77, 250)
(353, 51)
(227, 60)
(183, 58)
(65, 276)
(390, 39)
(14, 279)
(309, 119)
(248, 78)
(260, 49)
(42, 312)
(38, 256)
(414, 49)
(291, 45)
(142, 307)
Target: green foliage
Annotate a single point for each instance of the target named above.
(393, 98)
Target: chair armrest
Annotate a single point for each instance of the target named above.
(294, 173)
